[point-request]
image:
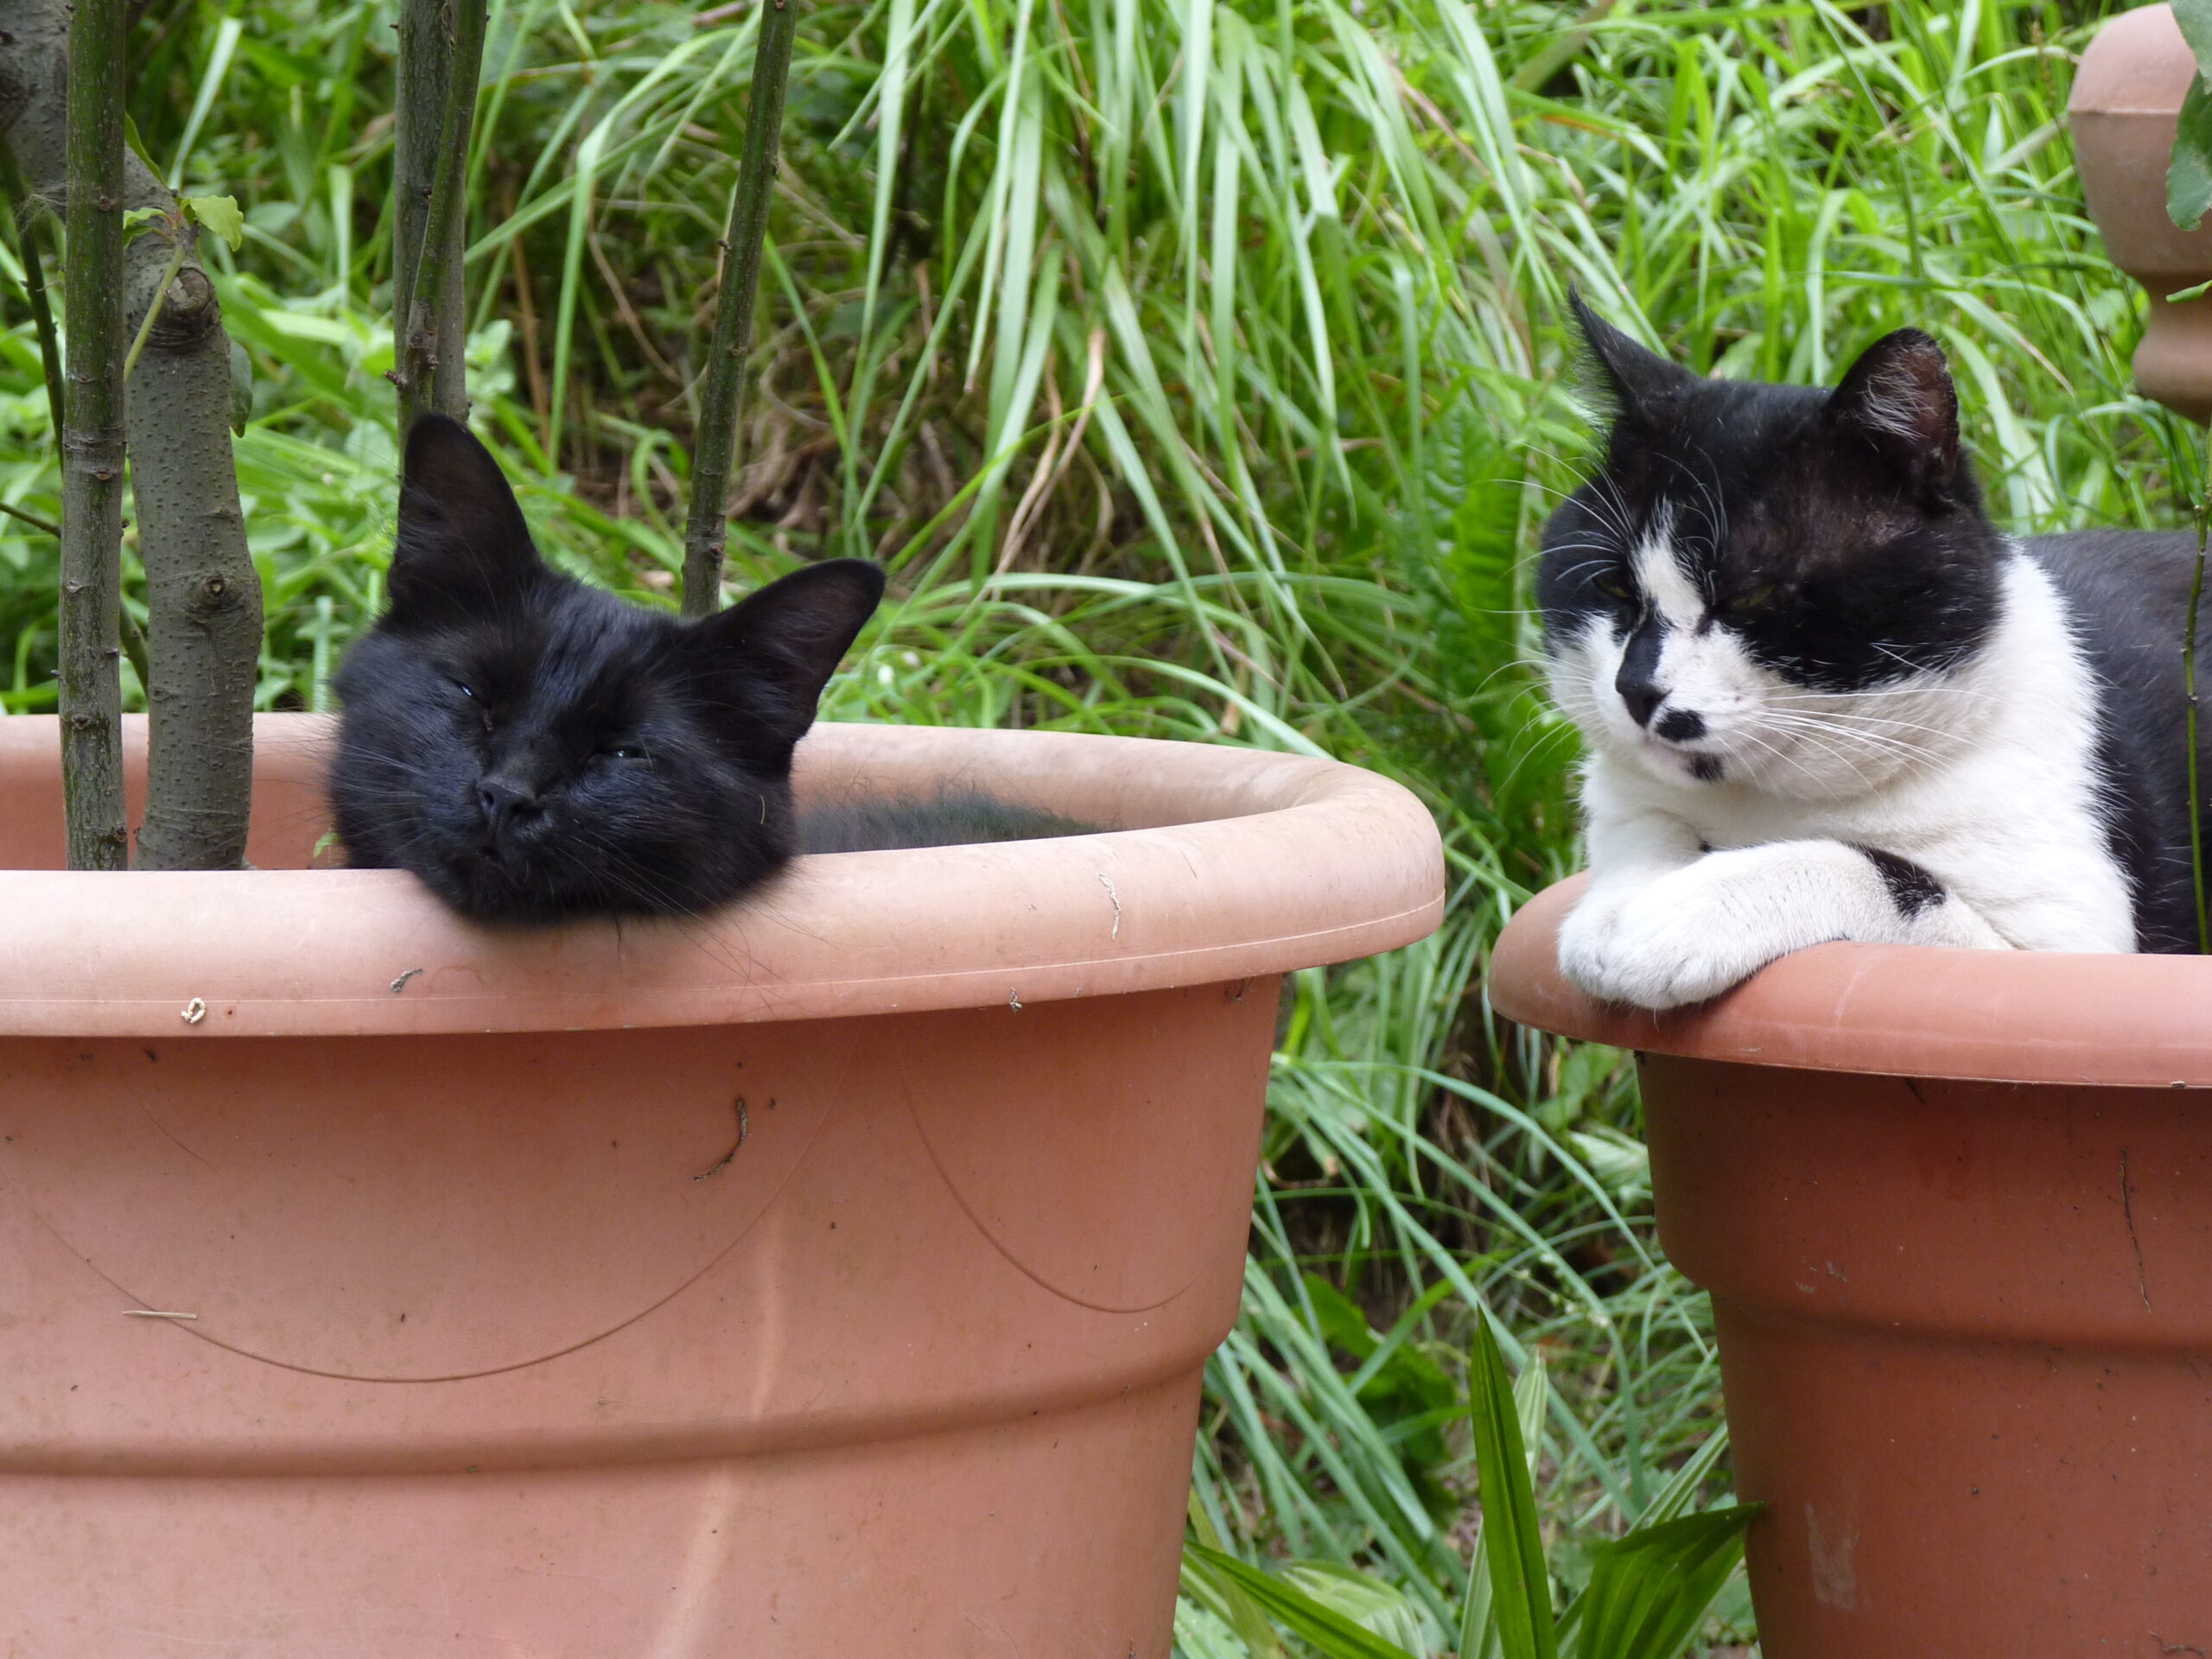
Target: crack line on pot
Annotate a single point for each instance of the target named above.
(991, 1238)
(829, 1111)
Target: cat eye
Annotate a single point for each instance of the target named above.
(627, 752)
(465, 691)
(1757, 599)
(1614, 587)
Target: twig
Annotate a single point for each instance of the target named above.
(154, 307)
(2127, 1213)
(32, 519)
(744, 1128)
(134, 646)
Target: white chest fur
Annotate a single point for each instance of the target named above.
(1985, 777)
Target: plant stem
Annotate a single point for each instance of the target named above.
(134, 647)
(154, 310)
(27, 234)
(441, 60)
(32, 519)
(91, 445)
(706, 531)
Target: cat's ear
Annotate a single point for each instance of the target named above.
(787, 640)
(1898, 399)
(1630, 375)
(463, 548)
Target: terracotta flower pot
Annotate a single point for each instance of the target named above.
(2127, 97)
(1955, 1209)
(831, 1277)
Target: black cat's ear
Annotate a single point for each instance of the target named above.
(787, 640)
(1631, 375)
(463, 548)
(1898, 399)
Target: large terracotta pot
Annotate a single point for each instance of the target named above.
(832, 1277)
(2127, 96)
(1955, 1209)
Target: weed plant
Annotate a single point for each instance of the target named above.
(1197, 368)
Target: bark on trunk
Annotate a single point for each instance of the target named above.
(91, 445)
(441, 59)
(706, 530)
(204, 637)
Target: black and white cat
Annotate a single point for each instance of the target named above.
(1823, 697)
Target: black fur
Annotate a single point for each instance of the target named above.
(953, 818)
(2129, 593)
(536, 750)
(1911, 888)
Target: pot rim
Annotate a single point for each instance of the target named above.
(1235, 864)
(2020, 1016)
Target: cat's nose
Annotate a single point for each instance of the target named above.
(504, 801)
(1639, 696)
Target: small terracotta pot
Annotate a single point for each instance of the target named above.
(2127, 97)
(832, 1276)
(1955, 1209)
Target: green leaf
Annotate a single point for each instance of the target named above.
(1649, 1590)
(1221, 1595)
(2195, 18)
(2189, 176)
(1329, 1631)
(137, 147)
(241, 388)
(136, 221)
(1674, 1497)
(1512, 1540)
(1378, 1608)
(1479, 1632)
(219, 214)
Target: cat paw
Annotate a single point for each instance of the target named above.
(1662, 949)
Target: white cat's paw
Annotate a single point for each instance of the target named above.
(1673, 942)
(1662, 961)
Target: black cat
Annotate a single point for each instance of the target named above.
(536, 750)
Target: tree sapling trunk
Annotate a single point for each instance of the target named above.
(706, 530)
(441, 60)
(92, 444)
(204, 596)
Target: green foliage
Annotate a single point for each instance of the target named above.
(217, 213)
(1520, 1614)
(2189, 176)
(1648, 1592)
